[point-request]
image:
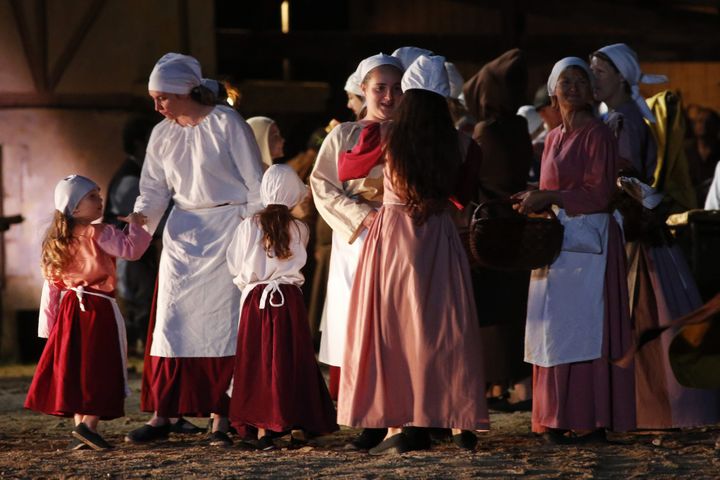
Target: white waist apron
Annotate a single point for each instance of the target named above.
(566, 300)
(119, 321)
(198, 305)
(343, 264)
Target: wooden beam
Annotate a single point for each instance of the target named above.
(42, 42)
(76, 40)
(25, 37)
(109, 101)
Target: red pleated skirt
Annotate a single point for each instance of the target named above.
(183, 387)
(277, 383)
(81, 367)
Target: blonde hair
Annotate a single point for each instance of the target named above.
(56, 246)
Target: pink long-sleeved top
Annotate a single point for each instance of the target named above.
(93, 265)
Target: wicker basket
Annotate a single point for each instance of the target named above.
(502, 239)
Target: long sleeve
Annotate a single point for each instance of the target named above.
(49, 305)
(155, 193)
(246, 156)
(237, 253)
(129, 245)
(341, 212)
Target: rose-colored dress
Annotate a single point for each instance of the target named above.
(583, 165)
(413, 355)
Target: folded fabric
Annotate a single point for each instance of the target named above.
(581, 233)
(367, 153)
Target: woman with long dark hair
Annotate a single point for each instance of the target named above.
(413, 343)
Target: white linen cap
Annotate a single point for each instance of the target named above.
(261, 129)
(175, 73)
(560, 67)
(626, 61)
(70, 190)
(534, 120)
(407, 55)
(427, 73)
(282, 186)
(352, 84)
(370, 63)
(456, 80)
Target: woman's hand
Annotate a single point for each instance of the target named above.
(534, 201)
(136, 218)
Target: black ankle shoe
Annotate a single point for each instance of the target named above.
(369, 438)
(184, 427)
(395, 445)
(466, 440)
(266, 444)
(418, 438)
(148, 433)
(220, 439)
(90, 438)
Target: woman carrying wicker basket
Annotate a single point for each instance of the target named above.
(578, 306)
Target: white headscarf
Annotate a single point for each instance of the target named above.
(456, 81)
(282, 186)
(370, 63)
(352, 85)
(560, 67)
(534, 120)
(407, 55)
(427, 73)
(175, 73)
(261, 129)
(70, 190)
(626, 61)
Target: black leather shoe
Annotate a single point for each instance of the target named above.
(418, 438)
(76, 444)
(90, 438)
(148, 433)
(182, 426)
(266, 444)
(466, 440)
(368, 438)
(395, 445)
(220, 439)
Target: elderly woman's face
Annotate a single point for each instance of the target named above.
(607, 80)
(573, 89)
(382, 92)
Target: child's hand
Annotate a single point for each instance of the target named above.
(136, 218)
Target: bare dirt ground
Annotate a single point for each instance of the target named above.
(35, 446)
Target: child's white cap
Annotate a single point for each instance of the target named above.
(70, 190)
(282, 186)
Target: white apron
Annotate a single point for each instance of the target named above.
(344, 259)
(198, 306)
(566, 300)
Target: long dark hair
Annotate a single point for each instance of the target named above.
(423, 153)
(275, 221)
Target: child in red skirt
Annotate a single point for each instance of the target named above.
(277, 384)
(82, 371)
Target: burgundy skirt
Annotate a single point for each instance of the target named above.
(277, 383)
(81, 367)
(177, 387)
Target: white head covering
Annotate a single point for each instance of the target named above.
(212, 85)
(261, 128)
(408, 55)
(352, 85)
(282, 186)
(626, 61)
(175, 73)
(427, 73)
(534, 120)
(370, 63)
(70, 190)
(560, 67)
(456, 80)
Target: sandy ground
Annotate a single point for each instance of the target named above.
(35, 446)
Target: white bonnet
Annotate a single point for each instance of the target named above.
(407, 55)
(175, 73)
(561, 66)
(370, 63)
(352, 85)
(427, 73)
(282, 186)
(70, 190)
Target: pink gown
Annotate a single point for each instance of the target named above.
(413, 355)
(582, 165)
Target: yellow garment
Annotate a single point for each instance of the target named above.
(672, 175)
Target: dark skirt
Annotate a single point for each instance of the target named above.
(277, 384)
(81, 367)
(176, 387)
